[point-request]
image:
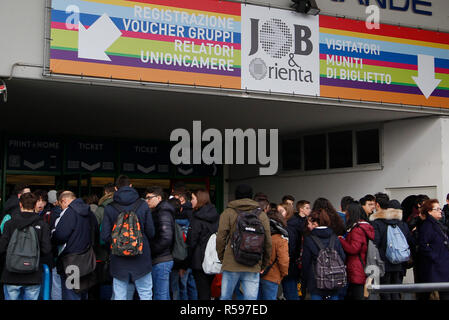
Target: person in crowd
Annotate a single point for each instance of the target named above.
(162, 244)
(355, 245)
(336, 223)
(345, 201)
(56, 289)
(26, 286)
(288, 199)
(183, 286)
(12, 206)
(368, 203)
(124, 269)
(388, 214)
(42, 204)
(204, 223)
(73, 233)
(433, 246)
(279, 261)
(445, 213)
(318, 225)
(233, 272)
(92, 201)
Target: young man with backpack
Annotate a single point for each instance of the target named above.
(129, 218)
(393, 239)
(243, 220)
(25, 240)
(162, 244)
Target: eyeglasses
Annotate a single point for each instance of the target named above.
(437, 209)
(150, 197)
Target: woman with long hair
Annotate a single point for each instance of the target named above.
(204, 223)
(355, 245)
(336, 223)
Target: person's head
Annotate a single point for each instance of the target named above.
(420, 198)
(200, 198)
(243, 191)
(108, 188)
(336, 222)
(368, 204)
(432, 208)
(181, 195)
(52, 197)
(122, 181)
(91, 199)
(303, 207)
(354, 214)
(153, 196)
(65, 199)
(394, 204)
(42, 199)
(286, 210)
(318, 218)
(178, 186)
(20, 189)
(382, 201)
(277, 216)
(288, 199)
(264, 205)
(176, 204)
(345, 201)
(447, 198)
(27, 202)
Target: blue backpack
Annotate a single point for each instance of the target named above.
(398, 250)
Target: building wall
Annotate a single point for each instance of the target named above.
(412, 157)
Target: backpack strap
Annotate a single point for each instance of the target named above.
(119, 208)
(317, 242)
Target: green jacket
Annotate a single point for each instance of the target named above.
(102, 251)
(225, 230)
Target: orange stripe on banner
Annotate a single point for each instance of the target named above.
(387, 97)
(88, 69)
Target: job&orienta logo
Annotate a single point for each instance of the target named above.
(284, 45)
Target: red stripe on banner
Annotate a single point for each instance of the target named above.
(225, 7)
(385, 30)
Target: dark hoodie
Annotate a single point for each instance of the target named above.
(11, 206)
(19, 221)
(310, 254)
(295, 226)
(74, 228)
(164, 224)
(123, 268)
(204, 223)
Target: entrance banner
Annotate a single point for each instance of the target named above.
(391, 64)
(169, 41)
(145, 157)
(90, 155)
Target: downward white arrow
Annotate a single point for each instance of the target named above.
(426, 75)
(146, 170)
(93, 42)
(93, 167)
(33, 166)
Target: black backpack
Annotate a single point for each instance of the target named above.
(248, 239)
(23, 253)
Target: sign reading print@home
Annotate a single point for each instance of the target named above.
(280, 51)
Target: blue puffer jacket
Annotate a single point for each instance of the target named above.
(134, 267)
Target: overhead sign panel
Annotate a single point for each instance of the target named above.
(391, 64)
(173, 41)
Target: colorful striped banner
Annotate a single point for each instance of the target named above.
(170, 41)
(381, 65)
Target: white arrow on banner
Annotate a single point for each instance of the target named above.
(33, 166)
(426, 75)
(93, 42)
(93, 167)
(146, 170)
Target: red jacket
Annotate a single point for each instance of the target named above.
(355, 246)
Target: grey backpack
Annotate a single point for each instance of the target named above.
(23, 253)
(330, 270)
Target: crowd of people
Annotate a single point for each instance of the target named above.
(154, 246)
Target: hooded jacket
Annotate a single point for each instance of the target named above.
(11, 206)
(135, 267)
(279, 253)
(226, 228)
(295, 227)
(164, 224)
(433, 253)
(310, 255)
(204, 223)
(73, 230)
(380, 222)
(19, 221)
(355, 246)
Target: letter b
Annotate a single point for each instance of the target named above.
(302, 35)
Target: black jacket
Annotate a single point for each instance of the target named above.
(164, 224)
(11, 206)
(135, 267)
(204, 223)
(380, 221)
(19, 221)
(295, 227)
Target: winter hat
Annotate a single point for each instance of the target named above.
(243, 191)
(52, 196)
(394, 204)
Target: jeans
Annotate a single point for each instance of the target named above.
(122, 289)
(69, 294)
(248, 280)
(391, 278)
(268, 290)
(315, 296)
(183, 288)
(56, 290)
(290, 288)
(30, 292)
(161, 280)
